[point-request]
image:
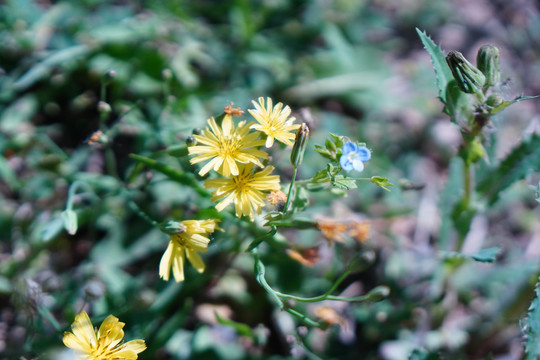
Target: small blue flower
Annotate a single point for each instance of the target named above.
(354, 157)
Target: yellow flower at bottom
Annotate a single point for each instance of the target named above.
(246, 190)
(103, 345)
(193, 239)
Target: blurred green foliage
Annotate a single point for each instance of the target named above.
(70, 239)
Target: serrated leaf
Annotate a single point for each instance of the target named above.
(506, 104)
(488, 255)
(442, 71)
(341, 182)
(532, 328)
(514, 167)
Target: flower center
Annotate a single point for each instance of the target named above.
(241, 183)
(352, 156)
(229, 146)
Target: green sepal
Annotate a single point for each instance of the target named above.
(381, 182)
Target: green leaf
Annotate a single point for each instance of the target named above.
(320, 175)
(381, 182)
(43, 69)
(240, 328)
(458, 105)
(7, 175)
(324, 152)
(173, 174)
(532, 328)
(488, 255)
(341, 182)
(506, 104)
(422, 354)
(438, 58)
(516, 166)
(301, 199)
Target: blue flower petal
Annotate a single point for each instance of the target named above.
(349, 147)
(345, 163)
(363, 153)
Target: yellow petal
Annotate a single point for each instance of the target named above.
(178, 265)
(73, 342)
(195, 260)
(227, 125)
(130, 350)
(165, 263)
(110, 332)
(83, 329)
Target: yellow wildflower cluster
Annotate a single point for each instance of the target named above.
(235, 153)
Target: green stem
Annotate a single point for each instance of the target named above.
(286, 207)
(304, 318)
(141, 213)
(326, 180)
(110, 162)
(467, 185)
(76, 185)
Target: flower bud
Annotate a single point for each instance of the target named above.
(172, 227)
(487, 61)
(468, 77)
(111, 74)
(297, 154)
(70, 221)
(104, 107)
(494, 100)
(166, 74)
(191, 141)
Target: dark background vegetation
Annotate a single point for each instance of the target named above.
(360, 68)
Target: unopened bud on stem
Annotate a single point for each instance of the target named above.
(297, 154)
(172, 227)
(487, 61)
(468, 77)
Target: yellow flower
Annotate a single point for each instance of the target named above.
(245, 190)
(227, 146)
(103, 345)
(274, 122)
(193, 239)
